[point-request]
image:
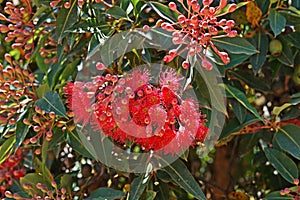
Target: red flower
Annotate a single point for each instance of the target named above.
(130, 108)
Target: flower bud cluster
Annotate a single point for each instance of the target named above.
(17, 89)
(193, 32)
(42, 124)
(20, 28)
(293, 192)
(35, 191)
(10, 169)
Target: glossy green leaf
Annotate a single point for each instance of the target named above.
(236, 59)
(137, 187)
(66, 18)
(21, 132)
(288, 138)
(164, 11)
(251, 80)
(183, 177)
(277, 21)
(106, 194)
(216, 93)
(261, 42)
(235, 45)
(241, 97)
(51, 102)
(239, 111)
(282, 163)
(116, 12)
(277, 196)
(5, 148)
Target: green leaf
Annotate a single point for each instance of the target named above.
(106, 194)
(42, 90)
(40, 63)
(288, 138)
(21, 133)
(277, 21)
(66, 182)
(33, 179)
(6, 147)
(149, 195)
(234, 126)
(45, 173)
(261, 42)
(66, 18)
(74, 141)
(282, 163)
(241, 97)
(116, 12)
(69, 70)
(239, 111)
(51, 103)
(162, 191)
(276, 195)
(235, 45)
(296, 4)
(164, 11)
(137, 187)
(294, 39)
(236, 59)
(216, 93)
(251, 80)
(183, 177)
(286, 57)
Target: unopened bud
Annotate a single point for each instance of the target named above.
(173, 6)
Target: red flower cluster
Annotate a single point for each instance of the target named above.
(195, 30)
(9, 170)
(131, 109)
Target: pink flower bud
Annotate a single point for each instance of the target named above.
(196, 8)
(67, 5)
(232, 7)
(207, 2)
(100, 66)
(232, 33)
(230, 23)
(222, 4)
(185, 64)
(224, 56)
(206, 64)
(173, 6)
(181, 18)
(146, 28)
(168, 58)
